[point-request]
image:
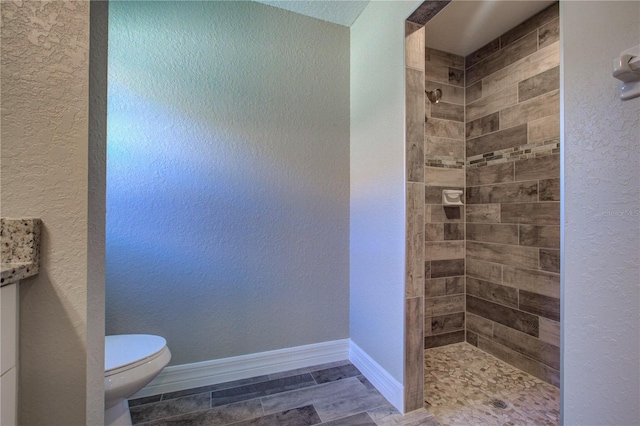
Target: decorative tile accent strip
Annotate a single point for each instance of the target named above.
(538, 149)
(445, 162)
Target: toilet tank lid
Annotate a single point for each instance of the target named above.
(124, 349)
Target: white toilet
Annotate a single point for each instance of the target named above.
(131, 361)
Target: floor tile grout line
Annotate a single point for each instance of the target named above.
(277, 412)
(168, 417)
(266, 395)
(268, 378)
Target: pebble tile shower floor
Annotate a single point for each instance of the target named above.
(466, 386)
(462, 384)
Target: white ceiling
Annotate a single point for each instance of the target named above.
(342, 12)
(462, 27)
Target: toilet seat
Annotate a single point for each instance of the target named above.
(124, 352)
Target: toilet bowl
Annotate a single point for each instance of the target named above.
(131, 361)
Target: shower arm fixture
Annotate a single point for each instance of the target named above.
(434, 95)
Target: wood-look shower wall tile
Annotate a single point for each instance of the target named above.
(423, 14)
(523, 112)
(444, 305)
(507, 296)
(540, 236)
(492, 103)
(473, 93)
(550, 260)
(414, 351)
(434, 287)
(414, 45)
(454, 285)
(507, 138)
(472, 338)
(518, 360)
(484, 52)
(544, 129)
(434, 232)
(540, 282)
(536, 369)
(530, 25)
(444, 128)
(539, 84)
(527, 345)
(540, 61)
(444, 147)
(495, 349)
(415, 234)
(524, 257)
(447, 268)
(506, 56)
(512, 318)
(443, 250)
(484, 270)
(550, 331)
(438, 176)
(483, 125)
(492, 233)
(445, 286)
(415, 125)
(447, 111)
(444, 339)
(444, 323)
(483, 213)
(538, 304)
(453, 231)
(440, 57)
(549, 33)
(456, 77)
(531, 213)
(480, 325)
(549, 190)
(438, 72)
(538, 168)
(497, 173)
(518, 192)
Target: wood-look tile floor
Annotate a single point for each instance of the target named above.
(333, 394)
(462, 381)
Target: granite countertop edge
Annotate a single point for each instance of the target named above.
(13, 272)
(19, 248)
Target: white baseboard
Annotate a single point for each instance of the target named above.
(386, 384)
(187, 376)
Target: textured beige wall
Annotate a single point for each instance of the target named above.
(45, 174)
(601, 294)
(229, 174)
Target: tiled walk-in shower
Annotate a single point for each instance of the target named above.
(486, 270)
